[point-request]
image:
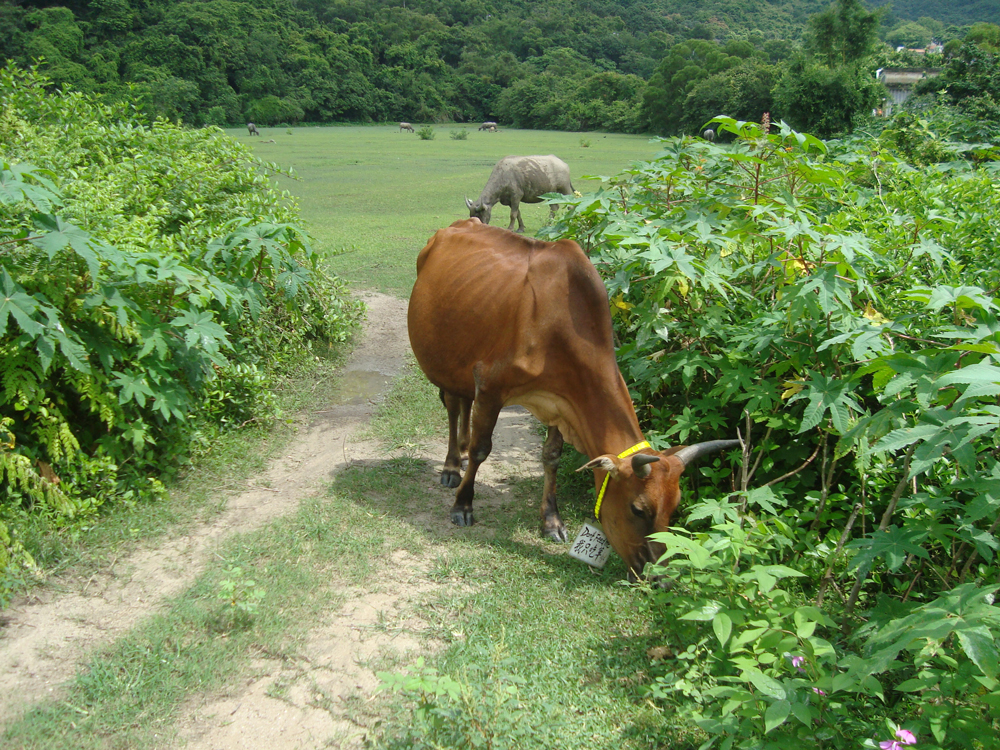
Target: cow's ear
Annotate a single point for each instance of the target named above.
(604, 463)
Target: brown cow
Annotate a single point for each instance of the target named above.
(497, 319)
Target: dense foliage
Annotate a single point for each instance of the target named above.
(971, 80)
(565, 64)
(155, 287)
(834, 304)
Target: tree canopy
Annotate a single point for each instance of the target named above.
(568, 64)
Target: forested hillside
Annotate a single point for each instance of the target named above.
(567, 64)
(948, 12)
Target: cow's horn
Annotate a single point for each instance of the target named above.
(640, 464)
(468, 202)
(690, 453)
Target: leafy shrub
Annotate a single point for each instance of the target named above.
(154, 285)
(217, 116)
(459, 135)
(240, 599)
(450, 713)
(834, 303)
(426, 133)
(759, 662)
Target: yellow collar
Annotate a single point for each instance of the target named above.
(624, 454)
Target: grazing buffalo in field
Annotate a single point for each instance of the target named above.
(489, 125)
(253, 129)
(496, 319)
(521, 179)
(405, 126)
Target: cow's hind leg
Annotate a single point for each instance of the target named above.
(552, 524)
(485, 410)
(458, 437)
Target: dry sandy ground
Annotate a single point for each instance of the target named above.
(285, 704)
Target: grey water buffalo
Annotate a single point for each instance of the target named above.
(405, 126)
(521, 179)
(253, 129)
(489, 125)
(497, 319)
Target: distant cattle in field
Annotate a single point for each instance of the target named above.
(253, 129)
(496, 319)
(521, 179)
(489, 125)
(405, 126)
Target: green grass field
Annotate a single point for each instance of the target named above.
(373, 196)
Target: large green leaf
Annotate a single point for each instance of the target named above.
(19, 305)
(827, 395)
(14, 188)
(722, 625)
(893, 545)
(60, 234)
(765, 684)
(776, 714)
(979, 646)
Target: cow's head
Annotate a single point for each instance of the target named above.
(479, 210)
(642, 493)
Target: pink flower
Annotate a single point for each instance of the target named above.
(818, 691)
(905, 737)
(798, 661)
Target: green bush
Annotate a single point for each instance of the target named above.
(217, 116)
(426, 133)
(834, 303)
(459, 135)
(155, 287)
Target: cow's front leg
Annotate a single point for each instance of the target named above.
(458, 438)
(515, 215)
(552, 524)
(485, 410)
(463, 426)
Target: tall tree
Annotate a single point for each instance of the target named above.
(971, 80)
(825, 90)
(844, 34)
(687, 65)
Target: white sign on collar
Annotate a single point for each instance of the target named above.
(591, 546)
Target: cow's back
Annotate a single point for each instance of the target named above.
(522, 309)
(524, 178)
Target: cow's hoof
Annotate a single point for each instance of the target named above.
(451, 478)
(462, 516)
(555, 533)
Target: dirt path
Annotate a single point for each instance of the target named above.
(45, 637)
